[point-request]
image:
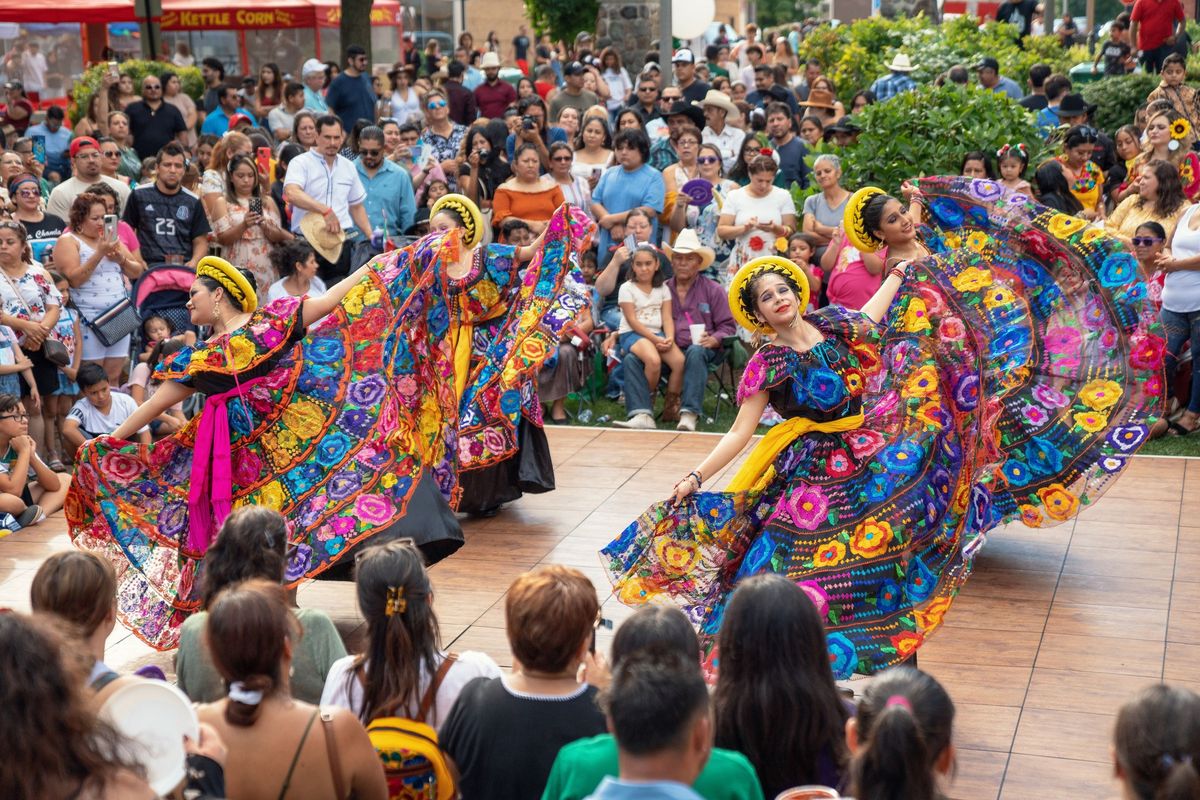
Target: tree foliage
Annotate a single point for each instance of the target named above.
(562, 20)
(92, 79)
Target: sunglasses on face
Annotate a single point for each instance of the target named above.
(707, 160)
(28, 193)
(436, 104)
(562, 158)
(370, 153)
(1145, 241)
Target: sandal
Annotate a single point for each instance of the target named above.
(1178, 430)
(57, 465)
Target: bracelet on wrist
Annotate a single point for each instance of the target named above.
(899, 273)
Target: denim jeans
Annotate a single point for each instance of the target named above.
(611, 319)
(695, 377)
(1182, 327)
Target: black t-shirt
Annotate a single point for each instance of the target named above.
(521, 45)
(505, 744)
(1019, 14)
(696, 92)
(152, 128)
(492, 172)
(1034, 102)
(165, 224)
(1115, 54)
(51, 227)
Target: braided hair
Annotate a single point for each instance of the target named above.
(748, 296)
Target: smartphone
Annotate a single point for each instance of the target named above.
(110, 227)
(263, 156)
(596, 172)
(256, 205)
(39, 149)
(630, 243)
(113, 69)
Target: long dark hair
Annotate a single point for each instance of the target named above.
(276, 87)
(1157, 743)
(396, 598)
(55, 746)
(1171, 197)
(251, 544)
(1050, 180)
(776, 701)
(235, 162)
(905, 722)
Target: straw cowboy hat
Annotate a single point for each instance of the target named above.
(490, 60)
(900, 63)
(721, 100)
(686, 243)
(328, 245)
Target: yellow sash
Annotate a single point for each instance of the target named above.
(763, 455)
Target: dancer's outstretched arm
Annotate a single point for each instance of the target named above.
(167, 395)
(728, 448)
(877, 307)
(316, 308)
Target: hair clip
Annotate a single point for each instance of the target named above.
(1169, 762)
(397, 603)
(238, 693)
(898, 700)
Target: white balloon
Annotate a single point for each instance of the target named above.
(690, 18)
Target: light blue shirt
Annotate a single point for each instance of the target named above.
(472, 77)
(313, 101)
(57, 143)
(1009, 87)
(616, 789)
(389, 197)
(217, 122)
(620, 190)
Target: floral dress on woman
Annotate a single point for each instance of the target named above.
(1013, 378)
(337, 427)
(253, 249)
(1088, 186)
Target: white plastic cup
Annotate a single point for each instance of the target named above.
(697, 331)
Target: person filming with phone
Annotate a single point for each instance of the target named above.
(170, 223)
(247, 221)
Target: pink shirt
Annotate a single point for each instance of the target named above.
(850, 285)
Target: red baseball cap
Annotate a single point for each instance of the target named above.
(238, 119)
(81, 142)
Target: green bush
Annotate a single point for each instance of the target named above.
(1118, 98)
(927, 132)
(854, 55)
(91, 82)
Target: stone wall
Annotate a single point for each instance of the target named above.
(630, 27)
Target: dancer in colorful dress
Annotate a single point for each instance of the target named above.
(337, 427)
(1009, 376)
(502, 446)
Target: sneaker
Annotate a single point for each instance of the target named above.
(642, 422)
(30, 516)
(687, 421)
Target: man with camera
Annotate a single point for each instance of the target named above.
(534, 130)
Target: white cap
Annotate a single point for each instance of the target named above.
(683, 56)
(312, 66)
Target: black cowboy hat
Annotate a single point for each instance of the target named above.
(1073, 105)
(686, 109)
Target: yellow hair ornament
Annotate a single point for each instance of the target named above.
(231, 279)
(466, 211)
(741, 304)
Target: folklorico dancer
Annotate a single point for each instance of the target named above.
(1011, 375)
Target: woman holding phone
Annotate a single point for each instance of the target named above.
(248, 222)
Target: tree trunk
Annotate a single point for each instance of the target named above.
(355, 29)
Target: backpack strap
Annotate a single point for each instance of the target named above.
(431, 692)
(335, 761)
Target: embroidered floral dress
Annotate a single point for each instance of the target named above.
(1087, 186)
(1017, 371)
(338, 428)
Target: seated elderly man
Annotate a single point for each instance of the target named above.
(696, 302)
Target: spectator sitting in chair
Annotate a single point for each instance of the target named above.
(29, 501)
(695, 301)
(99, 411)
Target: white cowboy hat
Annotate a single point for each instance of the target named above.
(688, 242)
(722, 101)
(900, 63)
(490, 60)
(328, 245)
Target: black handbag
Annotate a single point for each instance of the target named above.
(115, 322)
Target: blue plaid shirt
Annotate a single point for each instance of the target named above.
(891, 85)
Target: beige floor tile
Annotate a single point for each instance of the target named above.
(1029, 777)
(1064, 734)
(1098, 654)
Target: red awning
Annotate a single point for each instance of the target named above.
(63, 11)
(383, 12)
(184, 15)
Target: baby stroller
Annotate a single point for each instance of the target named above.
(163, 291)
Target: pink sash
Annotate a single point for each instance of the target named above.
(210, 496)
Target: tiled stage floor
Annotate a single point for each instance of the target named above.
(1053, 632)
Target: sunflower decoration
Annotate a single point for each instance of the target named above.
(1180, 130)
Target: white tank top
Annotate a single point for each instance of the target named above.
(104, 288)
(403, 109)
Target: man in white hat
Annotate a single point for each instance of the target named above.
(718, 110)
(897, 80)
(698, 305)
(313, 76)
(493, 95)
(684, 65)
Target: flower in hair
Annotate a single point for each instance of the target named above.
(1180, 129)
(397, 603)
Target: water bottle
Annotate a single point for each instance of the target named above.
(585, 416)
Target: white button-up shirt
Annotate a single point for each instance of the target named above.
(728, 141)
(339, 187)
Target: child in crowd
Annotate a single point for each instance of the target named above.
(434, 191)
(156, 329)
(1116, 52)
(142, 386)
(1013, 160)
(14, 365)
(71, 335)
(28, 502)
(1173, 90)
(801, 249)
(148, 174)
(99, 411)
(1149, 240)
(516, 232)
(297, 263)
(1156, 744)
(976, 164)
(901, 739)
(647, 329)
(1128, 144)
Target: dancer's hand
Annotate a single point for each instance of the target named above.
(684, 488)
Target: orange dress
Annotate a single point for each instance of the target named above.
(536, 206)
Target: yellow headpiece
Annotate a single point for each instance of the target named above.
(742, 306)
(467, 211)
(854, 223)
(231, 280)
